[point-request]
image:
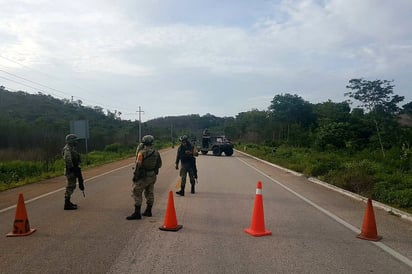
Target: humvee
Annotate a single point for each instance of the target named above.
(218, 144)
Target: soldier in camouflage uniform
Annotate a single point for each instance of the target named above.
(148, 164)
(72, 161)
(186, 155)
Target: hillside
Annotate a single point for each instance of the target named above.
(405, 120)
(328, 140)
(32, 121)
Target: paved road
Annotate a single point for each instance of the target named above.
(313, 228)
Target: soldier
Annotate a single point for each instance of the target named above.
(145, 174)
(72, 170)
(188, 165)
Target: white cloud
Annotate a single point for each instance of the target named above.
(244, 50)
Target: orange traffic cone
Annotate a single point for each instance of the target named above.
(170, 222)
(368, 231)
(257, 228)
(21, 225)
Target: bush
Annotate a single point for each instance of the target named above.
(16, 170)
(402, 198)
(394, 189)
(322, 164)
(116, 147)
(354, 176)
(16, 173)
(364, 172)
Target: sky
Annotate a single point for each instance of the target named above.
(181, 57)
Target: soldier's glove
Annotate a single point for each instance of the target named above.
(177, 166)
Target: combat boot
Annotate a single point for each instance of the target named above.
(136, 214)
(181, 192)
(68, 205)
(148, 211)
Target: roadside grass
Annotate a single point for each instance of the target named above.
(364, 172)
(18, 173)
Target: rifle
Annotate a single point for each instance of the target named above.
(78, 172)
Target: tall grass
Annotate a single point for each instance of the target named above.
(28, 169)
(388, 180)
(18, 173)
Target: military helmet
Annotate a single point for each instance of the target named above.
(71, 138)
(147, 140)
(183, 138)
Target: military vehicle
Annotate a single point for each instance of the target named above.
(218, 144)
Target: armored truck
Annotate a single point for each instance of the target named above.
(218, 144)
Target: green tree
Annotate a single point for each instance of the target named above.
(252, 125)
(360, 130)
(376, 97)
(333, 134)
(286, 110)
(407, 108)
(329, 111)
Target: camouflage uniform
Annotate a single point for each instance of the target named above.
(71, 160)
(145, 185)
(148, 164)
(185, 154)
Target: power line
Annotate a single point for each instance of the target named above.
(30, 68)
(45, 86)
(43, 91)
(11, 80)
(14, 75)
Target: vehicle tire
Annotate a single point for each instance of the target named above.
(229, 151)
(216, 151)
(204, 152)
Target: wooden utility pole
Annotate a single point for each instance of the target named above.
(140, 111)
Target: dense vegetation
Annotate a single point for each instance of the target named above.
(364, 149)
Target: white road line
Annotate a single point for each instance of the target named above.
(63, 188)
(385, 248)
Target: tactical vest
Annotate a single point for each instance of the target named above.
(70, 154)
(150, 157)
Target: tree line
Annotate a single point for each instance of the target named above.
(40, 122)
(33, 126)
(378, 122)
(361, 144)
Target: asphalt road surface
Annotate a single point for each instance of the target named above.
(313, 228)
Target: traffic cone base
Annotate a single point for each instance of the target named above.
(257, 233)
(14, 234)
(369, 231)
(257, 227)
(377, 238)
(21, 226)
(170, 228)
(170, 222)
